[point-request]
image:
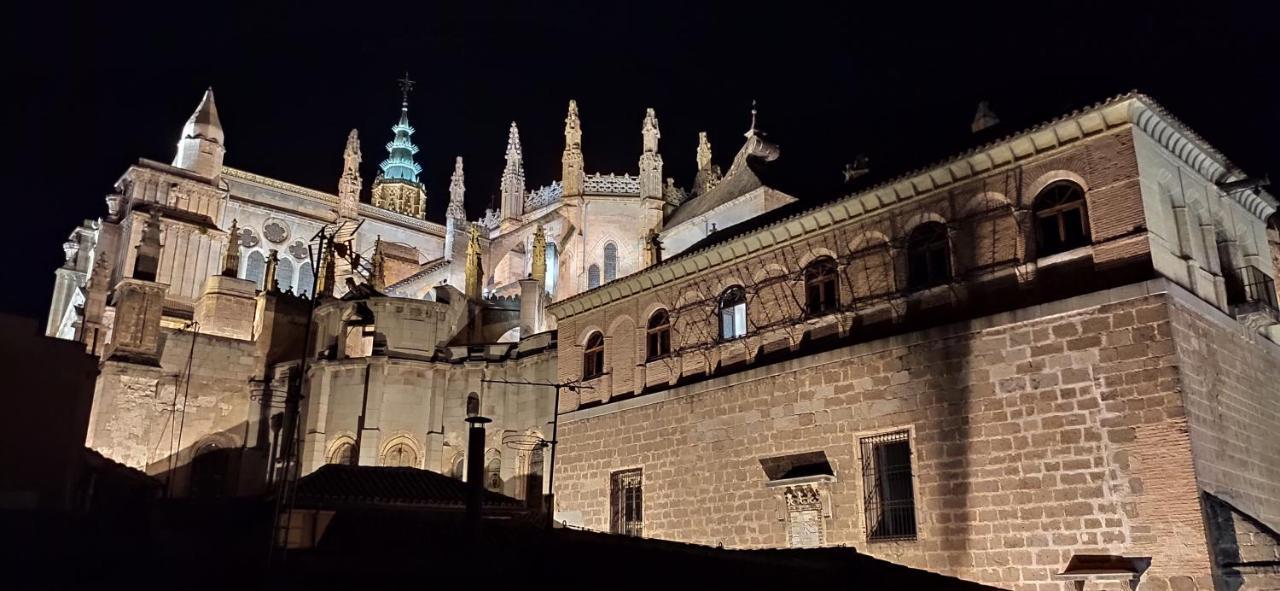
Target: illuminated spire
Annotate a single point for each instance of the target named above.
(400, 165)
(513, 176)
(201, 147)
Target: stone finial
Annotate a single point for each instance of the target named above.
(571, 161)
(650, 159)
(457, 189)
(269, 283)
(708, 174)
(513, 177)
(70, 249)
(538, 266)
(983, 118)
(147, 263)
(231, 258)
(378, 267)
(350, 184)
(704, 151)
(473, 287)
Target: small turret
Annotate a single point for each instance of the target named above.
(513, 177)
(201, 149)
(572, 174)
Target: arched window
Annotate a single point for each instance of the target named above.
(493, 474)
(457, 466)
(401, 455)
(928, 256)
(659, 336)
(593, 357)
(610, 262)
(733, 313)
(305, 280)
(255, 268)
(553, 267)
(821, 293)
(209, 471)
(284, 274)
(593, 276)
(344, 453)
(1061, 223)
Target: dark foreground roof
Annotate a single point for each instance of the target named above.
(337, 485)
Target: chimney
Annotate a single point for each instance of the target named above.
(475, 471)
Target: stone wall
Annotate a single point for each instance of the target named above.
(1036, 434)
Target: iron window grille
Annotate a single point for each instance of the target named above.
(821, 287)
(1061, 223)
(626, 503)
(658, 341)
(1250, 290)
(928, 256)
(593, 357)
(888, 487)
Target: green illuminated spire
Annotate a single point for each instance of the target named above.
(400, 165)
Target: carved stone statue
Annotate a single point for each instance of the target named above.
(350, 184)
(538, 263)
(231, 259)
(457, 190)
(571, 163)
(653, 248)
(473, 287)
(650, 160)
(708, 174)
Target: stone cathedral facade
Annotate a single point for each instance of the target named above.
(1059, 345)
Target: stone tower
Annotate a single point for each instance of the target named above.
(572, 174)
(513, 178)
(397, 188)
(200, 149)
(350, 183)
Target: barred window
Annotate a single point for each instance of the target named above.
(928, 256)
(887, 484)
(1061, 223)
(820, 287)
(610, 262)
(593, 357)
(659, 336)
(733, 313)
(626, 503)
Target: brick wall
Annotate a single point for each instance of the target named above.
(1036, 434)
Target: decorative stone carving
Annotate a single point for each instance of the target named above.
(457, 190)
(612, 184)
(650, 159)
(349, 185)
(70, 249)
(805, 527)
(231, 258)
(275, 231)
(708, 174)
(473, 269)
(544, 196)
(299, 251)
(513, 177)
(538, 264)
(571, 161)
(247, 238)
(673, 194)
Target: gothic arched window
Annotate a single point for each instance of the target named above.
(255, 268)
(928, 256)
(493, 474)
(593, 357)
(593, 276)
(344, 454)
(305, 281)
(733, 313)
(658, 343)
(821, 282)
(533, 480)
(401, 455)
(553, 267)
(284, 274)
(1061, 220)
(610, 262)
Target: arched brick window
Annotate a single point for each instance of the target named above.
(1061, 220)
(928, 256)
(733, 313)
(658, 342)
(593, 357)
(821, 287)
(610, 262)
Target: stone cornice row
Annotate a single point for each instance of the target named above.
(1129, 109)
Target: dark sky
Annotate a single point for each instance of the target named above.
(90, 89)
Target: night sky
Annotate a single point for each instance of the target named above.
(91, 89)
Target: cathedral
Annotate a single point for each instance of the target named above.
(1049, 360)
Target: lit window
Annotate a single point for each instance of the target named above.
(733, 313)
(626, 503)
(820, 287)
(255, 268)
(593, 277)
(305, 279)
(1061, 223)
(928, 256)
(887, 487)
(593, 357)
(610, 262)
(659, 335)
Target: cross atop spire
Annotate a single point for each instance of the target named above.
(406, 86)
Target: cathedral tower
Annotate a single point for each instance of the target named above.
(513, 178)
(200, 149)
(397, 187)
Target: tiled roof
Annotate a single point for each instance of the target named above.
(335, 484)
